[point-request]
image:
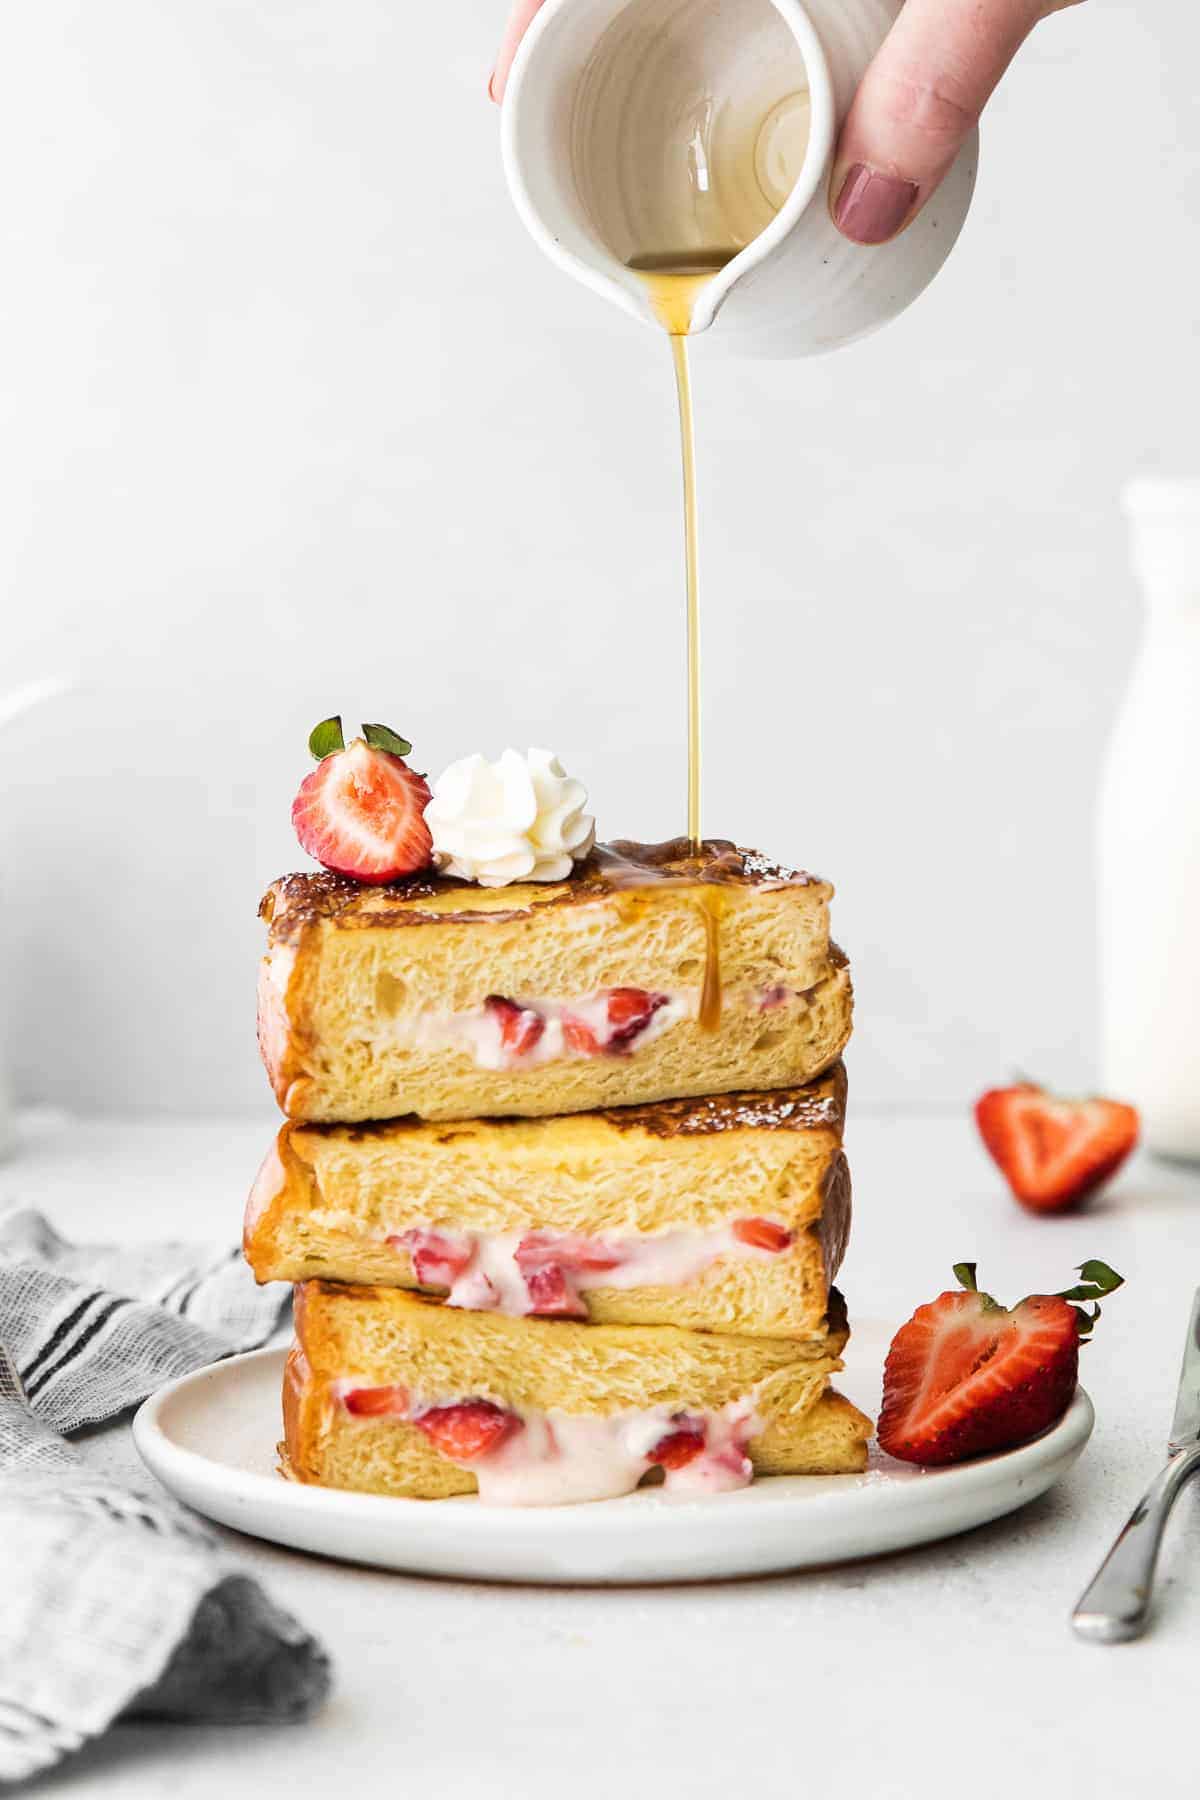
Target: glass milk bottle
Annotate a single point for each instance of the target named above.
(1149, 835)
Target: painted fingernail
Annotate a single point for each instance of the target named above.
(872, 207)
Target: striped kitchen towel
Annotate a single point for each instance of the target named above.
(117, 1602)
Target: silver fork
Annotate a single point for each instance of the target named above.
(1116, 1606)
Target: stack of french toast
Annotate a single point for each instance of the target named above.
(561, 1182)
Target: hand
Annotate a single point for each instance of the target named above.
(519, 16)
(917, 103)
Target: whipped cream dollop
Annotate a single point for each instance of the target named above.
(519, 819)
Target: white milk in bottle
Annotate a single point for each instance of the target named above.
(1149, 835)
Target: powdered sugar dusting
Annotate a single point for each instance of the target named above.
(763, 868)
(769, 1113)
(765, 1111)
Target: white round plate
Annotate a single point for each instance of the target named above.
(211, 1437)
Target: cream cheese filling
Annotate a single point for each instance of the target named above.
(548, 1272)
(556, 1458)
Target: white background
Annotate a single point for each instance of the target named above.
(295, 419)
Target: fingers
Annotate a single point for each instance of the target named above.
(917, 103)
(514, 31)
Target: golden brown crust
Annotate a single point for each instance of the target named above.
(284, 1183)
(833, 1226)
(296, 901)
(297, 1388)
(821, 1104)
(285, 1041)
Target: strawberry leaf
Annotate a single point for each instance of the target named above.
(1106, 1280)
(326, 738)
(964, 1274)
(1098, 1280)
(382, 737)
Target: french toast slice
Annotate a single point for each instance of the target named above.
(721, 1214)
(650, 974)
(387, 1392)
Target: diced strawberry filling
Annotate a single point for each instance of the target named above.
(437, 1261)
(761, 1234)
(613, 1023)
(680, 1447)
(521, 1027)
(630, 1010)
(578, 1037)
(774, 996)
(537, 1248)
(376, 1402)
(552, 1295)
(467, 1430)
(548, 1260)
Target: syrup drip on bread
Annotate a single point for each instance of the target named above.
(623, 872)
(672, 282)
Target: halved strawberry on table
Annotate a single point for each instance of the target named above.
(1054, 1152)
(361, 812)
(966, 1375)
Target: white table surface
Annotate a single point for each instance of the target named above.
(946, 1670)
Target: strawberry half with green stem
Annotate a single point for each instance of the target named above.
(362, 810)
(1052, 1152)
(967, 1376)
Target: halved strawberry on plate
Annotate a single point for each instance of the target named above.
(362, 810)
(1054, 1152)
(966, 1375)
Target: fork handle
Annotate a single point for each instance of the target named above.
(1117, 1604)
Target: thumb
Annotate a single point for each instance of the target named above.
(519, 19)
(917, 104)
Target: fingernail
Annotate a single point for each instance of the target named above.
(872, 207)
(492, 86)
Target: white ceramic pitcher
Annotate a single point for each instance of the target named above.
(12, 707)
(1148, 885)
(627, 121)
